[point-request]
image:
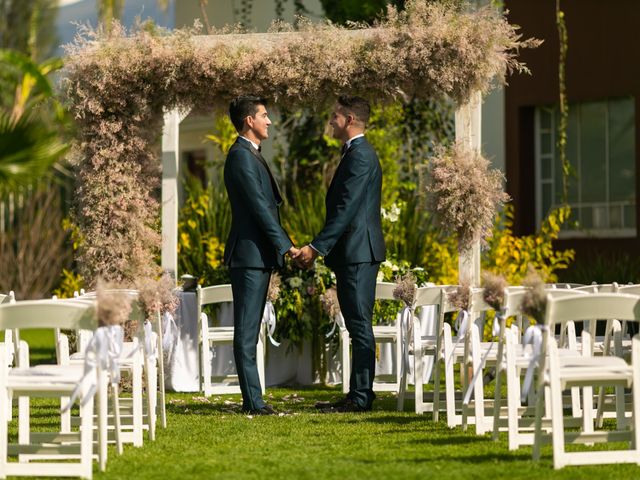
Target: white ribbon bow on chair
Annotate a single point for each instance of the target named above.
(406, 330)
(269, 319)
(533, 337)
(338, 321)
(461, 325)
(103, 351)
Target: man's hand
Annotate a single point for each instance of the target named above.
(293, 252)
(305, 257)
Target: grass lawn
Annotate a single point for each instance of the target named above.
(208, 438)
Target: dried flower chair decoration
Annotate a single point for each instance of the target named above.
(493, 294)
(405, 290)
(331, 306)
(102, 359)
(159, 300)
(269, 314)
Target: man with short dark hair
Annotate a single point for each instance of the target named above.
(352, 244)
(256, 243)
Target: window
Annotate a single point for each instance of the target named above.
(601, 150)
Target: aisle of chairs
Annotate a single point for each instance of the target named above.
(93, 411)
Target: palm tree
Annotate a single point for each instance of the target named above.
(29, 145)
(28, 149)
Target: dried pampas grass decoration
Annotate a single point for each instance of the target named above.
(494, 287)
(405, 289)
(465, 193)
(330, 304)
(114, 306)
(274, 288)
(534, 302)
(157, 295)
(461, 296)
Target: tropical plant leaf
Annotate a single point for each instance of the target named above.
(28, 149)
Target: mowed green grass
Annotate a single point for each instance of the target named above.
(210, 438)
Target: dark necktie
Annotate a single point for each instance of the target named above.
(344, 150)
(259, 148)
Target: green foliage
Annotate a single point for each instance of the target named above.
(298, 306)
(28, 149)
(511, 256)
(205, 221)
(70, 283)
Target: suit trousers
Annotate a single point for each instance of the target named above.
(356, 286)
(249, 286)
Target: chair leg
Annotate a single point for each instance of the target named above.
(151, 376)
(537, 443)
(103, 413)
(4, 438)
(205, 356)
(635, 388)
(137, 401)
(65, 417)
(260, 354)
(418, 378)
(436, 386)
(557, 422)
(116, 416)
(513, 395)
(497, 398)
(452, 418)
(163, 404)
(86, 437)
(23, 420)
(346, 360)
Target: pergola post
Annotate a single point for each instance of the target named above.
(468, 126)
(170, 171)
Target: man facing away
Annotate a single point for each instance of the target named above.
(256, 243)
(353, 245)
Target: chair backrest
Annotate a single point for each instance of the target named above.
(599, 288)
(630, 289)
(214, 294)
(564, 285)
(429, 296)
(596, 306)
(48, 314)
(384, 290)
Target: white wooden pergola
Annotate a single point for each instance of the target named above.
(467, 132)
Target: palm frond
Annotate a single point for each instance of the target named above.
(28, 150)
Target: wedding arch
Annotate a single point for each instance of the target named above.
(124, 89)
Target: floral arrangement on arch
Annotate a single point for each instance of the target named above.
(465, 193)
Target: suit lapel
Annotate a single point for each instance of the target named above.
(258, 155)
(354, 144)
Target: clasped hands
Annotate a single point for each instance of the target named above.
(303, 257)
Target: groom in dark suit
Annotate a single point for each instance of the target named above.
(353, 245)
(256, 243)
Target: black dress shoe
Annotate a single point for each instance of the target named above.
(349, 406)
(325, 405)
(266, 410)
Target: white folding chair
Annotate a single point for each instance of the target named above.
(557, 373)
(418, 346)
(139, 360)
(219, 335)
(47, 381)
(519, 358)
